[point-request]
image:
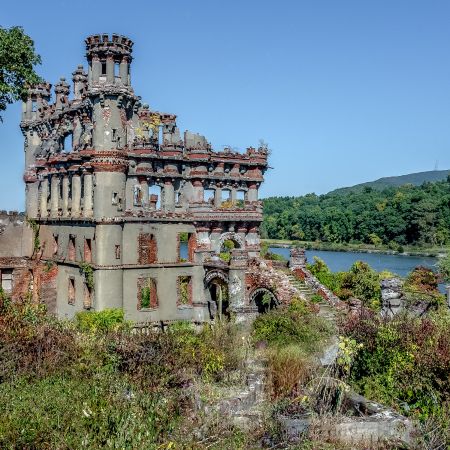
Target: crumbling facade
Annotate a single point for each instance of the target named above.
(130, 214)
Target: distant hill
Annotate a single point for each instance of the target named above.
(415, 179)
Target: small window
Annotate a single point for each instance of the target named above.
(71, 293)
(147, 293)
(185, 290)
(137, 195)
(34, 106)
(115, 198)
(103, 67)
(147, 249)
(55, 244)
(6, 279)
(117, 251)
(88, 250)
(67, 143)
(116, 69)
(71, 254)
(87, 301)
(114, 135)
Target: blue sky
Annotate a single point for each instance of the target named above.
(343, 91)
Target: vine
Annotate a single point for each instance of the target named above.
(35, 227)
(87, 270)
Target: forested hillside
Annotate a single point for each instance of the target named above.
(396, 215)
(415, 179)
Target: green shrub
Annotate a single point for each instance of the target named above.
(101, 321)
(68, 412)
(295, 324)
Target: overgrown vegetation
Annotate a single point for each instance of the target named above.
(405, 363)
(395, 216)
(92, 383)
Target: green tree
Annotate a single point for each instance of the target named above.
(17, 58)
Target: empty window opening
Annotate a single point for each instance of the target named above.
(71, 293)
(208, 195)
(185, 290)
(115, 198)
(88, 250)
(116, 69)
(187, 243)
(55, 244)
(160, 135)
(226, 198)
(137, 195)
(114, 135)
(87, 300)
(34, 106)
(147, 249)
(155, 193)
(72, 249)
(147, 293)
(6, 276)
(240, 198)
(117, 251)
(67, 142)
(103, 67)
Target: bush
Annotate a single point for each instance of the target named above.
(104, 321)
(404, 362)
(294, 324)
(67, 412)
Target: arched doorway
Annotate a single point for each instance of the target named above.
(263, 300)
(216, 284)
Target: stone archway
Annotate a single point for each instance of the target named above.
(216, 291)
(231, 236)
(263, 300)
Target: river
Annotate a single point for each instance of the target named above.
(341, 261)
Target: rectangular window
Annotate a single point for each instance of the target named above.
(88, 250)
(87, 301)
(71, 293)
(71, 254)
(115, 198)
(55, 244)
(117, 251)
(185, 290)
(147, 249)
(7, 280)
(187, 243)
(147, 293)
(103, 67)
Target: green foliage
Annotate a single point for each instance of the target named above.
(224, 256)
(145, 297)
(361, 281)
(228, 245)
(395, 215)
(294, 324)
(104, 321)
(35, 228)
(403, 362)
(88, 271)
(67, 412)
(17, 58)
(444, 267)
(183, 290)
(184, 236)
(422, 285)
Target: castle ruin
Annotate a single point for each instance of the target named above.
(125, 212)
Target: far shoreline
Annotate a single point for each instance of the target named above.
(434, 252)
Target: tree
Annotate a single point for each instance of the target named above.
(444, 268)
(17, 58)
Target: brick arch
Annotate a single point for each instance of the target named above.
(253, 296)
(213, 274)
(232, 237)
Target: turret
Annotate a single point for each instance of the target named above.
(79, 78)
(62, 93)
(109, 59)
(38, 97)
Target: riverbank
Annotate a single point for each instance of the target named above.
(363, 248)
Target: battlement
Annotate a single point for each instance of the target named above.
(102, 45)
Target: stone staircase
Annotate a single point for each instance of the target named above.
(325, 309)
